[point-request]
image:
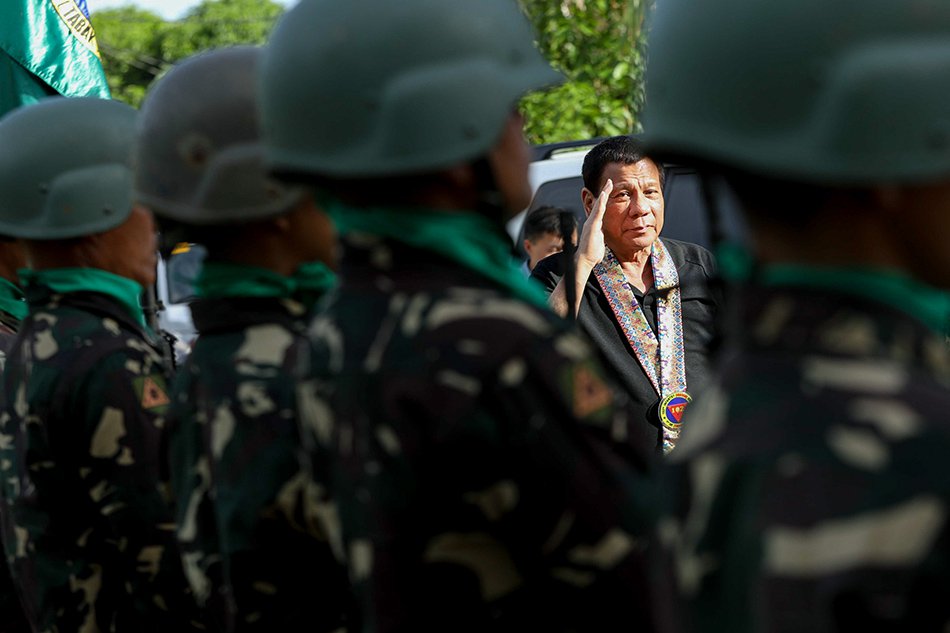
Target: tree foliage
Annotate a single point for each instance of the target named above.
(597, 44)
(130, 43)
(217, 23)
(138, 46)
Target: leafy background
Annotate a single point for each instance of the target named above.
(599, 45)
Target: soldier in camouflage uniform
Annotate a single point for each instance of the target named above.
(810, 490)
(251, 557)
(86, 527)
(478, 471)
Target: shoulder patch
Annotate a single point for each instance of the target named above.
(152, 392)
(590, 392)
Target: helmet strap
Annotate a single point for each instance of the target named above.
(491, 202)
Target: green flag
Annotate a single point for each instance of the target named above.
(47, 47)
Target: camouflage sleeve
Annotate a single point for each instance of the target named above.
(482, 470)
(545, 503)
(121, 402)
(196, 523)
(240, 486)
(578, 497)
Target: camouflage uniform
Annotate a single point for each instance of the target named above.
(86, 528)
(482, 469)
(12, 619)
(254, 560)
(237, 477)
(810, 490)
(9, 323)
(807, 492)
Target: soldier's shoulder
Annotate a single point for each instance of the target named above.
(847, 410)
(477, 328)
(490, 316)
(507, 343)
(85, 346)
(265, 355)
(81, 326)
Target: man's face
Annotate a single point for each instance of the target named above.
(510, 158)
(129, 250)
(311, 234)
(634, 215)
(542, 246)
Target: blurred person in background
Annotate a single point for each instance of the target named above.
(543, 235)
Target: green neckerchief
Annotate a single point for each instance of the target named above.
(220, 280)
(466, 238)
(928, 304)
(63, 280)
(12, 300)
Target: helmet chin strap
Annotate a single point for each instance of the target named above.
(491, 202)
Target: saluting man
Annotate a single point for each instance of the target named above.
(86, 528)
(647, 303)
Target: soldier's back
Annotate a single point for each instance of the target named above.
(236, 473)
(484, 475)
(811, 491)
(87, 530)
(12, 619)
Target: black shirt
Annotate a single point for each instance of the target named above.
(701, 301)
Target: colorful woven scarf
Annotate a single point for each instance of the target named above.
(662, 355)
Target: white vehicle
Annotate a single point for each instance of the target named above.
(174, 289)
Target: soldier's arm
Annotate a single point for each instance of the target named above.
(562, 486)
(120, 404)
(260, 488)
(189, 479)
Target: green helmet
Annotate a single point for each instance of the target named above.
(198, 158)
(65, 168)
(365, 88)
(846, 92)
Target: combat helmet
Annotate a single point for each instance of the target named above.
(65, 168)
(198, 155)
(847, 92)
(364, 88)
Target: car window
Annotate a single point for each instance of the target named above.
(182, 270)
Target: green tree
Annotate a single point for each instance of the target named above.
(130, 44)
(599, 45)
(138, 46)
(217, 23)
